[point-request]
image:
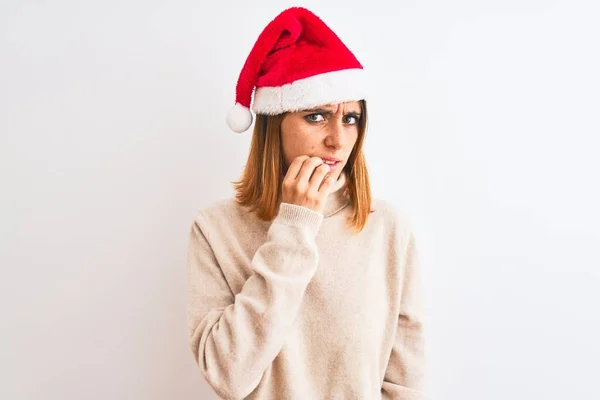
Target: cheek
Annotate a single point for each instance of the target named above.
(296, 140)
(352, 138)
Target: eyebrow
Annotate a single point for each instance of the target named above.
(329, 112)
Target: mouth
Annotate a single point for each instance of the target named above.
(332, 162)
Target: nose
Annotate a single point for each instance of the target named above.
(335, 134)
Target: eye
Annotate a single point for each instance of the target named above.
(311, 119)
(351, 119)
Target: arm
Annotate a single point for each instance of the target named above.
(235, 337)
(405, 374)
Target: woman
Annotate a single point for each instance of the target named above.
(303, 286)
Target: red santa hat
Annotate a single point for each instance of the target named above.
(297, 63)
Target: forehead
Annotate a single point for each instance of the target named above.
(350, 106)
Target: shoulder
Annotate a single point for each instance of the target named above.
(219, 210)
(224, 215)
(394, 214)
(392, 220)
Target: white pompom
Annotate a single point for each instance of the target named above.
(239, 118)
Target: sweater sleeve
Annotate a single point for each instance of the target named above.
(405, 373)
(235, 337)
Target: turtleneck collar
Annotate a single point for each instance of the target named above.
(338, 198)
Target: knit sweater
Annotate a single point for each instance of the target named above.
(301, 307)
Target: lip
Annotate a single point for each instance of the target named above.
(333, 167)
(336, 161)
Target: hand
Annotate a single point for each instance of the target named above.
(307, 183)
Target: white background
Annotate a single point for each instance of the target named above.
(484, 128)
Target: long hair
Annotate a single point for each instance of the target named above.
(259, 187)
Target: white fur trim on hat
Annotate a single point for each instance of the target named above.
(327, 88)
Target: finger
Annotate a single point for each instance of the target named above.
(318, 176)
(308, 167)
(294, 168)
(327, 185)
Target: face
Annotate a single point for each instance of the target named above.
(328, 132)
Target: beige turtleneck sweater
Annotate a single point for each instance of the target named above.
(301, 307)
